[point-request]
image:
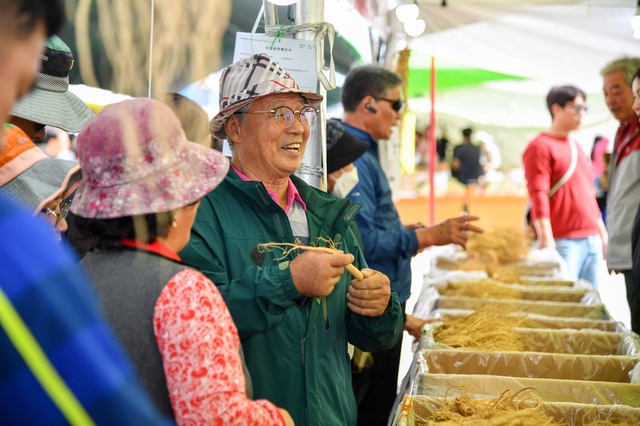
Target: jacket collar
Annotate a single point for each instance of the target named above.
(292, 192)
(361, 134)
(331, 214)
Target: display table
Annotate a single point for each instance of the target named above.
(584, 366)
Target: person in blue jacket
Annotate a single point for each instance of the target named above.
(59, 361)
(372, 101)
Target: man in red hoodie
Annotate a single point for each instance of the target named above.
(563, 205)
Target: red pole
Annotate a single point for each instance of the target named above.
(432, 146)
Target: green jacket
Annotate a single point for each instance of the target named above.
(297, 356)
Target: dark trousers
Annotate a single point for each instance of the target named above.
(375, 387)
(634, 304)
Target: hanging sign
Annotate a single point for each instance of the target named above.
(296, 56)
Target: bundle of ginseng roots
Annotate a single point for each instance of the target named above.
(497, 253)
(521, 408)
(488, 328)
(487, 287)
(503, 245)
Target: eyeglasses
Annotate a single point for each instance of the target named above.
(285, 116)
(578, 109)
(396, 105)
(62, 213)
(38, 127)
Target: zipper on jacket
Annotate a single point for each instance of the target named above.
(323, 301)
(302, 342)
(335, 222)
(325, 312)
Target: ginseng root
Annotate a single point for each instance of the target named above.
(287, 248)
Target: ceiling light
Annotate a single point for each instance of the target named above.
(407, 12)
(415, 28)
(282, 2)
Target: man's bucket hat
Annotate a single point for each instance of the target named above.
(249, 79)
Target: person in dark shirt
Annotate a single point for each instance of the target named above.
(441, 147)
(466, 160)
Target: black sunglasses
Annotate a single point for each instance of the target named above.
(396, 104)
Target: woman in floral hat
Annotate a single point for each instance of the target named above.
(143, 181)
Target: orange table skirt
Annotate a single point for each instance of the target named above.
(494, 211)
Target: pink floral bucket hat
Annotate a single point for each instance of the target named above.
(137, 160)
(251, 78)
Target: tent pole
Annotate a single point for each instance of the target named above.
(270, 14)
(312, 170)
(153, 7)
(432, 146)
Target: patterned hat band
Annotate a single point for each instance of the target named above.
(51, 83)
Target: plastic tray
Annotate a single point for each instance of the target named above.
(529, 292)
(549, 390)
(543, 321)
(421, 407)
(555, 309)
(600, 368)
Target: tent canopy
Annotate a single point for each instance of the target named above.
(495, 59)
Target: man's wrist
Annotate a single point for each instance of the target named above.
(424, 238)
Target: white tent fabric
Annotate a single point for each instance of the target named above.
(552, 43)
(546, 42)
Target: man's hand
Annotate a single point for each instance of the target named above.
(544, 232)
(454, 230)
(315, 274)
(604, 236)
(370, 296)
(546, 243)
(415, 227)
(413, 325)
(412, 226)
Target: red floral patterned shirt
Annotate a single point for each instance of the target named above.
(200, 351)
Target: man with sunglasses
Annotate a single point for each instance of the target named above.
(295, 310)
(372, 100)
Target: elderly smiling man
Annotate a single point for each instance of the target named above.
(295, 314)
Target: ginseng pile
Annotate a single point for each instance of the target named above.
(521, 408)
(481, 289)
(503, 245)
(494, 252)
(508, 274)
(489, 328)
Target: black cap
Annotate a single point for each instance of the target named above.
(342, 147)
